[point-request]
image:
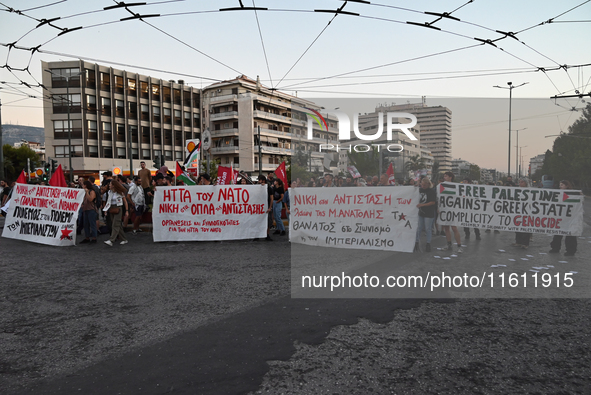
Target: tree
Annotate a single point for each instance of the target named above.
(367, 163)
(570, 157)
(15, 160)
(414, 163)
(474, 173)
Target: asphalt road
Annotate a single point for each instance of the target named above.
(218, 318)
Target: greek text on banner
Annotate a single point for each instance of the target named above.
(43, 214)
(207, 212)
(377, 218)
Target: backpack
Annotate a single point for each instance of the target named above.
(98, 200)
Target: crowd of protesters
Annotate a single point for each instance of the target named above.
(119, 200)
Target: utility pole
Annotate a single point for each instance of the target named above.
(511, 87)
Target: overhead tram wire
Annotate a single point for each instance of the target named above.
(551, 20)
(290, 87)
(337, 12)
(45, 5)
(262, 41)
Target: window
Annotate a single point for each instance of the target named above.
(177, 118)
(90, 80)
(145, 109)
(92, 130)
(120, 153)
(146, 154)
(187, 99)
(177, 96)
(167, 137)
(156, 92)
(90, 103)
(178, 138)
(234, 91)
(167, 115)
(157, 136)
(107, 131)
(178, 155)
(118, 84)
(93, 151)
(60, 103)
(132, 129)
(131, 88)
(168, 155)
(235, 125)
(195, 100)
(61, 151)
(134, 153)
(132, 109)
(144, 91)
(119, 108)
(156, 114)
(187, 119)
(60, 78)
(120, 132)
(107, 152)
(106, 106)
(60, 129)
(188, 136)
(196, 120)
(166, 94)
(145, 135)
(105, 82)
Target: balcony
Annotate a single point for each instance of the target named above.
(269, 115)
(273, 150)
(224, 98)
(222, 115)
(225, 150)
(224, 132)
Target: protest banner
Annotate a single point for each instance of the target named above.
(527, 210)
(380, 218)
(209, 212)
(43, 214)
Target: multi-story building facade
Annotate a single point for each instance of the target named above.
(242, 116)
(460, 168)
(116, 116)
(435, 126)
(536, 163)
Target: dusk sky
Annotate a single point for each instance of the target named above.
(375, 56)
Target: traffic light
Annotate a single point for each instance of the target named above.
(45, 175)
(157, 162)
(53, 165)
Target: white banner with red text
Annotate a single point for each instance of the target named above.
(208, 212)
(43, 214)
(377, 218)
(514, 209)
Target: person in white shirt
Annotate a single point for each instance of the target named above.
(137, 201)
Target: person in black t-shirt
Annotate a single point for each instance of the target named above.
(278, 193)
(427, 208)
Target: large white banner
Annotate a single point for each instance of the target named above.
(208, 212)
(376, 218)
(515, 209)
(43, 214)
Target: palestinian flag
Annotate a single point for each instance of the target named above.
(571, 197)
(447, 189)
(183, 176)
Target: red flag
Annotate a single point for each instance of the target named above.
(58, 179)
(224, 175)
(22, 179)
(390, 173)
(281, 174)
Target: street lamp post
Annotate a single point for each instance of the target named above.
(511, 87)
(68, 78)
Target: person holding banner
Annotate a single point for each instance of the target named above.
(522, 239)
(449, 177)
(427, 206)
(571, 241)
(278, 194)
(116, 202)
(89, 213)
